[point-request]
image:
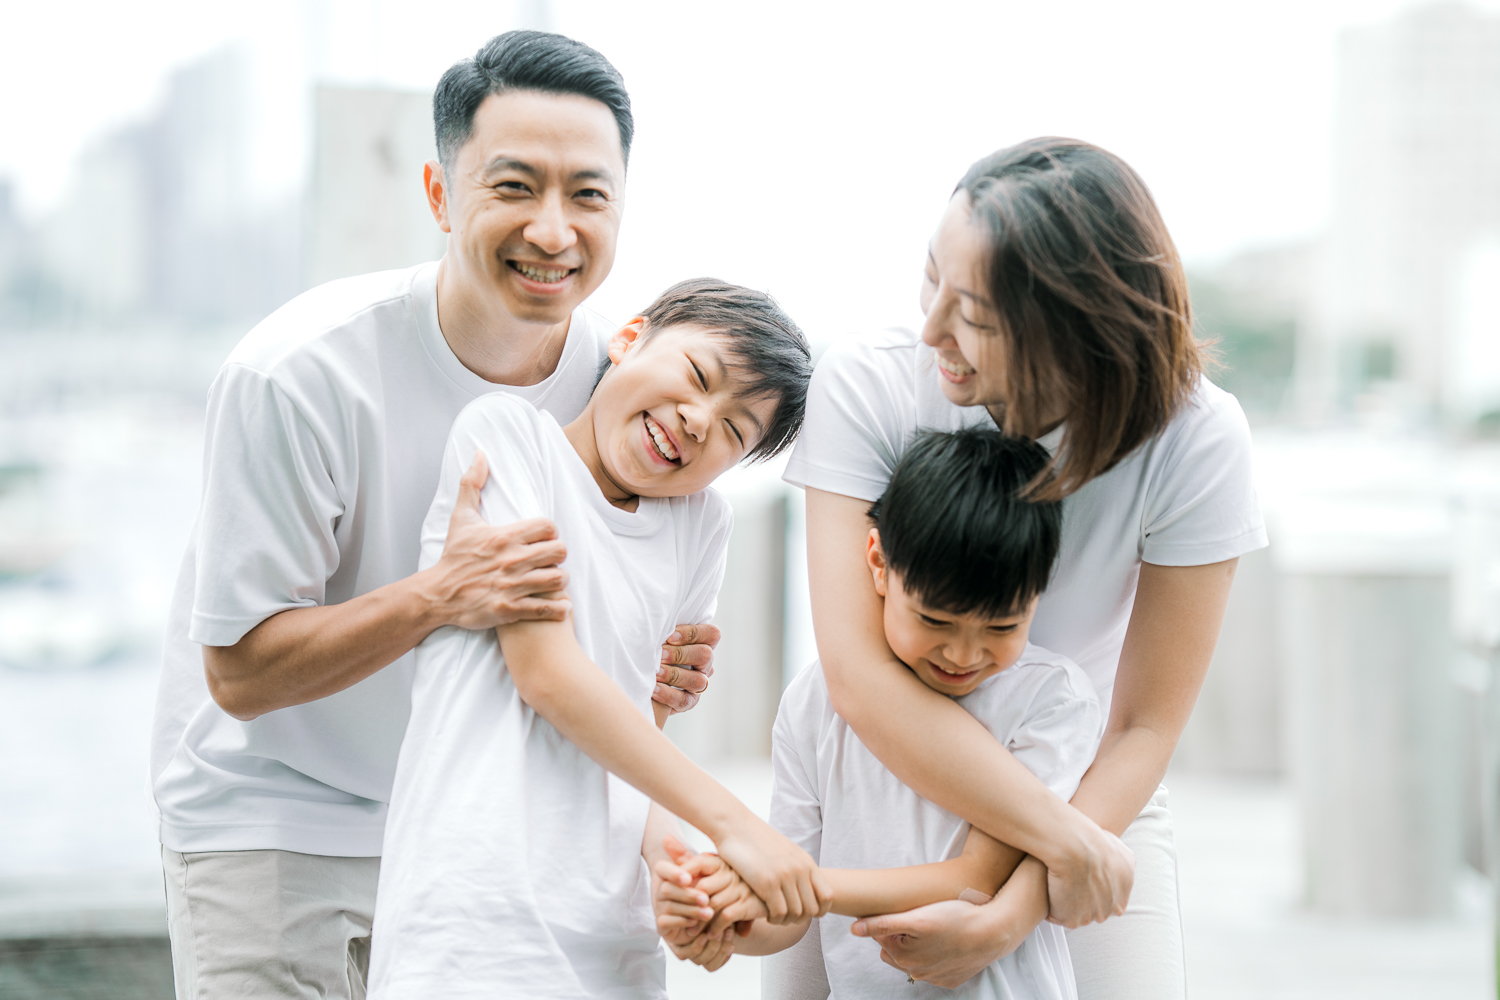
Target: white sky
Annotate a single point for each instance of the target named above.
(799, 146)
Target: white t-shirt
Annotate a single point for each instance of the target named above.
(833, 798)
(1184, 498)
(512, 862)
(324, 437)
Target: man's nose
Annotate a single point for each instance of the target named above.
(550, 230)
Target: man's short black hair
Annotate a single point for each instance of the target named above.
(954, 527)
(768, 357)
(525, 60)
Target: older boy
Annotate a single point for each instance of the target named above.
(959, 559)
(513, 861)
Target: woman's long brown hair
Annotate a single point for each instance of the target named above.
(1092, 301)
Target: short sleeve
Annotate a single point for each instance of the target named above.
(1059, 736)
(510, 433)
(1202, 506)
(796, 807)
(705, 572)
(265, 538)
(860, 415)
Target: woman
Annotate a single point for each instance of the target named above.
(1057, 308)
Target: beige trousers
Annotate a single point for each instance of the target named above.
(247, 925)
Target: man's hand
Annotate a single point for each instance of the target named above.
(492, 575)
(687, 662)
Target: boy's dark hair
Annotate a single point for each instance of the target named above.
(954, 525)
(525, 60)
(768, 356)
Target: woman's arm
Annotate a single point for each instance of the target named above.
(1091, 870)
(1174, 625)
(555, 677)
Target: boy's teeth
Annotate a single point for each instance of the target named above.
(543, 275)
(663, 443)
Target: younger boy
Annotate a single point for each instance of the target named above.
(959, 558)
(513, 861)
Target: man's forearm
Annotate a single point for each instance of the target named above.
(304, 654)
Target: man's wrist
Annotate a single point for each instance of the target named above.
(423, 601)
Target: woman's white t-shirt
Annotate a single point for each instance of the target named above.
(1184, 498)
(512, 863)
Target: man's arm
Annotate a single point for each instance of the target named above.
(487, 576)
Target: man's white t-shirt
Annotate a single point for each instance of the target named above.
(834, 799)
(512, 862)
(324, 437)
(1184, 498)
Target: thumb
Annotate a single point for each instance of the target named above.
(470, 485)
(879, 926)
(676, 849)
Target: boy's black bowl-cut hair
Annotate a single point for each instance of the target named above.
(956, 531)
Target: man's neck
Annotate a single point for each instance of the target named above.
(489, 341)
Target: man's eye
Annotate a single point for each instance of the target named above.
(515, 187)
(593, 193)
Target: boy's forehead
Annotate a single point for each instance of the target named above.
(968, 617)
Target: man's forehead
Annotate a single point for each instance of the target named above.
(545, 132)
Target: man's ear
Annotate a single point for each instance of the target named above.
(437, 193)
(625, 338)
(875, 559)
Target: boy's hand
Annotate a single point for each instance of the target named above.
(780, 873)
(681, 906)
(687, 662)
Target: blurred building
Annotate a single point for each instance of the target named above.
(367, 210)
(1414, 237)
(160, 218)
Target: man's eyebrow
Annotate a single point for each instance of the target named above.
(723, 373)
(500, 163)
(594, 174)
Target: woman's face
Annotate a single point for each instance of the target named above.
(962, 324)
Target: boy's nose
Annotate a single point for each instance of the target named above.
(963, 656)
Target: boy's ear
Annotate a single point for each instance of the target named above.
(624, 338)
(875, 559)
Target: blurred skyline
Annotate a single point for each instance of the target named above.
(1224, 108)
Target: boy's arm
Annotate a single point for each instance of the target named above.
(983, 867)
(562, 685)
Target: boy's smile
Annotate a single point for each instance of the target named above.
(669, 418)
(952, 653)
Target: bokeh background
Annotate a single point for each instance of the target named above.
(171, 171)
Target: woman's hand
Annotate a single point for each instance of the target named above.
(782, 874)
(949, 943)
(1097, 885)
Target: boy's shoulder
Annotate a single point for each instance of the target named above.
(499, 410)
(1038, 682)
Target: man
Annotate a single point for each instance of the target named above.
(286, 683)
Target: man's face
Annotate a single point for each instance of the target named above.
(532, 202)
(952, 654)
(667, 418)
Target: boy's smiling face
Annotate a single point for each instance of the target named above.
(668, 419)
(952, 654)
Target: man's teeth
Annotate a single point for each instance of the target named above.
(663, 443)
(957, 368)
(542, 274)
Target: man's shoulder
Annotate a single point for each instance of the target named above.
(363, 305)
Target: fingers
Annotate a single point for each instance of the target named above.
(776, 907)
(676, 849)
(531, 531)
(682, 678)
(697, 656)
(882, 926)
(822, 891)
(676, 699)
(695, 635)
(469, 486)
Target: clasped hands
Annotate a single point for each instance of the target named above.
(701, 905)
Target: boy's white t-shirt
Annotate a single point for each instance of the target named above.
(324, 436)
(1184, 498)
(834, 799)
(512, 862)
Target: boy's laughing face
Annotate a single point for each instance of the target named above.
(669, 418)
(952, 654)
